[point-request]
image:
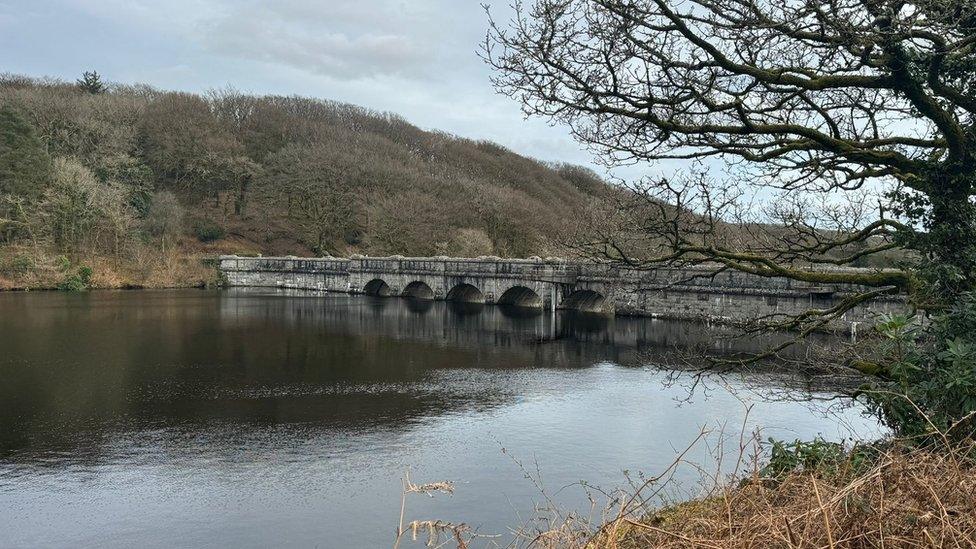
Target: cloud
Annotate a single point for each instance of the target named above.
(334, 54)
(417, 58)
(173, 18)
(341, 39)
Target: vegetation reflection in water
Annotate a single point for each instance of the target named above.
(266, 417)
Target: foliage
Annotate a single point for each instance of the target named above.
(68, 205)
(22, 264)
(929, 383)
(208, 231)
(164, 218)
(78, 280)
(24, 164)
(77, 210)
(314, 185)
(91, 82)
(287, 175)
(818, 456)
(185, 145)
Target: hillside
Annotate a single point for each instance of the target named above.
(126, 177)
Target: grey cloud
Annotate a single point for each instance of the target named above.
(339, 39)
(413, 57)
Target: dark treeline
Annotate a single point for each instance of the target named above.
(89, 169)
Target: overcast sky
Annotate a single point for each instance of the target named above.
(417, 58)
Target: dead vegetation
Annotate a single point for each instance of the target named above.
(813, 494)
(908, 499)
(29, 268)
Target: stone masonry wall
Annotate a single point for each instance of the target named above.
(664, 292)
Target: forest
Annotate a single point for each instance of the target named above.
(117, 185)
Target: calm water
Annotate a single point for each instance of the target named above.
(263, 418)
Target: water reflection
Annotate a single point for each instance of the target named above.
(465, 308)
(107, 360)
(250, 417)
(417, 305)
(514, 311)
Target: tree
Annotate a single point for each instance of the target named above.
(811, 96)
(164, 219)
(188, 148)
(69, 210)
(91, 82)
(313, 187)
(25, 169)
(24, 164)
(854, 119)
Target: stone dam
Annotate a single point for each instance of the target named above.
(665, 292)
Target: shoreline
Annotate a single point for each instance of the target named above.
(124, 287)
(45, 271)
(909, 496)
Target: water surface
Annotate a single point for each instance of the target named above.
(268, 418)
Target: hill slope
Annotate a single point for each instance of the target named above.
(132, 169)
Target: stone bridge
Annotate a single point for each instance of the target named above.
(674, 293)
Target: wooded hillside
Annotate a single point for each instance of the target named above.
(130, 173)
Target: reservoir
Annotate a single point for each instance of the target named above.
(258, 418)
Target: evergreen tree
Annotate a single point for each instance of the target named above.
(91, 82)
(24, 163)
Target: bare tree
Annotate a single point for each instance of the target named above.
(856, 115)
(314, 190)
(164, 218)
(188, 147)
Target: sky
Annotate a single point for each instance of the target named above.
(416, 58)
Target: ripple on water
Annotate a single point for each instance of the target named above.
(195, 418)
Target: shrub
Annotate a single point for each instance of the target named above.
(22, 264)
(78, 281)
(928, 382)
(85, 275)
(208, 231)
(818, 456)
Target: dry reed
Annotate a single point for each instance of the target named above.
(902, 497)
(910, 498)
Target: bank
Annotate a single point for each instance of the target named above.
(899, 497)
(25, 269)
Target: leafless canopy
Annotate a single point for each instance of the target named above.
(870, 101)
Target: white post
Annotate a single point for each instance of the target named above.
(552, 313)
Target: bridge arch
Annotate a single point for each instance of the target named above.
(520, 296)
(465, 293)
(418, 289)
(586, 301)
(377, 287)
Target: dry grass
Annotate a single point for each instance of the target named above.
(908, 499)
(434, 530)
(885, 495)
(29, 268)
